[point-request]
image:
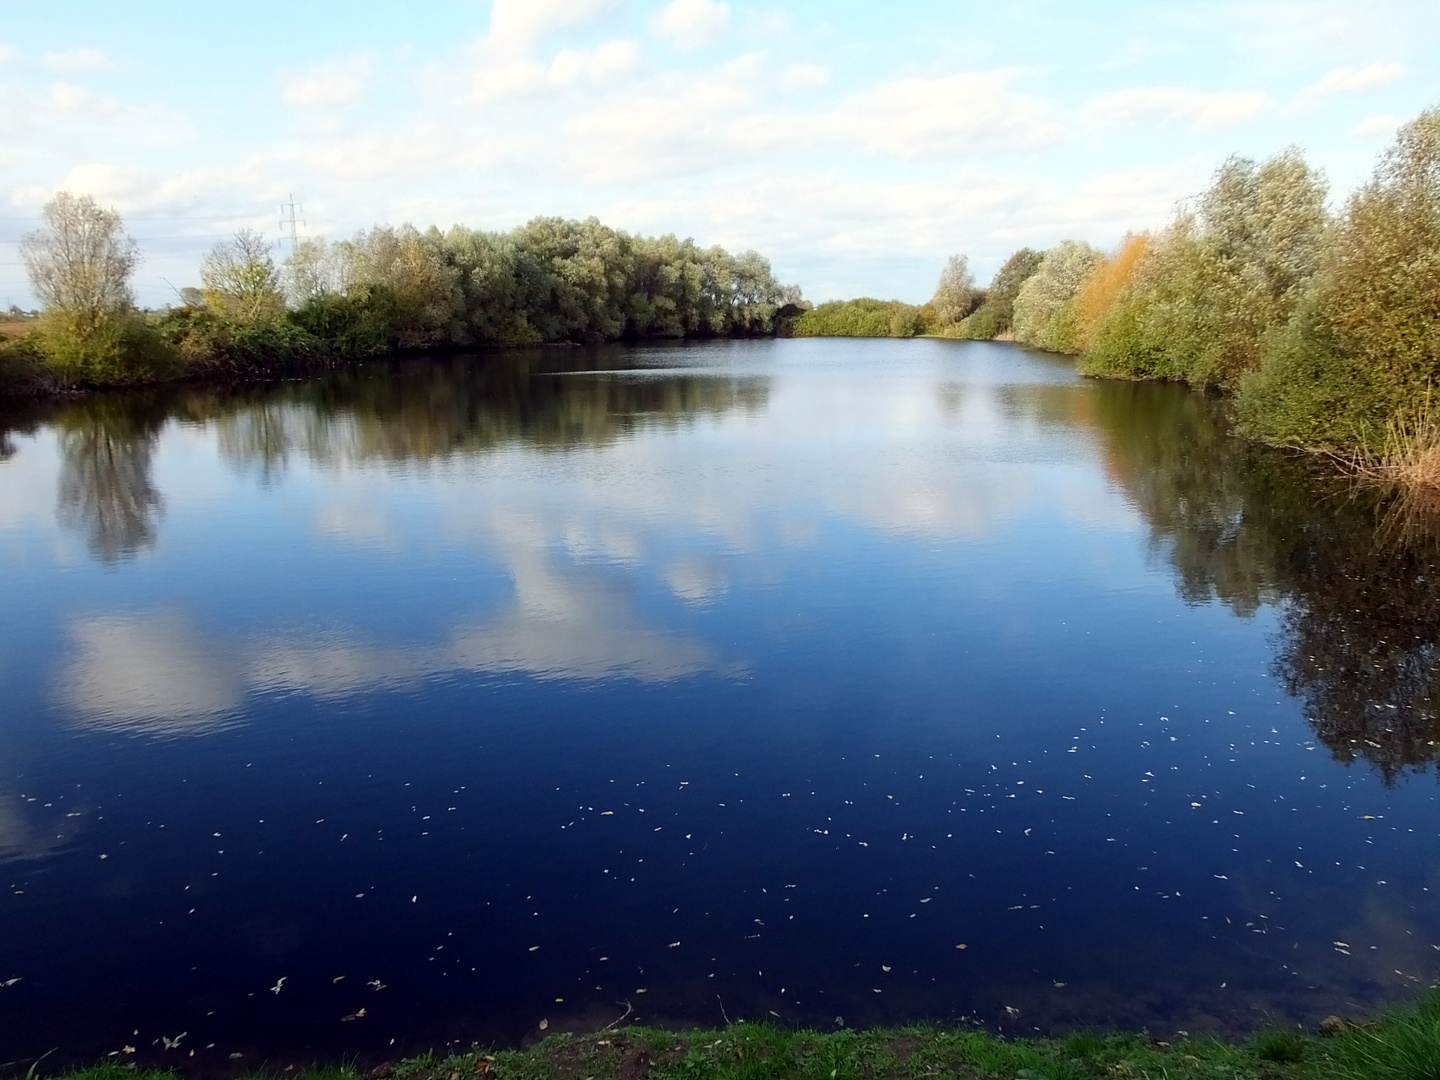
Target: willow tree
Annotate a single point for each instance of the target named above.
(955, 293)
(1045, 308)
(313, 271)
(1215, 285)
(240, 278)
(80, 261)
(406, 273)
(995, 314)
(1363, 351)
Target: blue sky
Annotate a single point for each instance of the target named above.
(857, 145)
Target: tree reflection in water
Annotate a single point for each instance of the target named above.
(1359, 600)
(433, 411)
(1247, 526)
(106, 490)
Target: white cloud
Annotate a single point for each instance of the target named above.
(698, 581)
(520, 75)
(69, 98)
(8, 54)
(340, 82)
(805, 77)
(688, 24)
(76, 61)
(595, 65)
(1384, 124)
(927, 116)
(1346, 80)
(518, 24)
(151, 673)
(1174, 105)
(768, 23)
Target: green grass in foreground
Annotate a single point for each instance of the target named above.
(1400, 1045)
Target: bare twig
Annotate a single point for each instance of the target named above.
(628, 1010)
(722, 1008)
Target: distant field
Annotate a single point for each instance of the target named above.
(15, 327)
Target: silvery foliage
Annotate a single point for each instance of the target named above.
(955, 292)
(315, 269)
(1043, 297)
(81, 261)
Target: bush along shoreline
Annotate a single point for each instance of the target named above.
(1402, 1044)
(385, 291)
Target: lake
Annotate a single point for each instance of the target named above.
(818, 681)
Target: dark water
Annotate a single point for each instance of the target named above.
(812, 680)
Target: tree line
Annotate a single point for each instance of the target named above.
(1323, 325)
(385, 289)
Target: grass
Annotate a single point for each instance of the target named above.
(1410, 456)
(1403, 1044)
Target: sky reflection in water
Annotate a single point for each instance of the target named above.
(861, 680)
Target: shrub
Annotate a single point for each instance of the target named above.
(22, 368)
(206, 341)
(119, 347)
(352, 325)
(865, 317)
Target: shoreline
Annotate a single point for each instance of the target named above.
(1417, 484)
(1402, 1043)
(281, 370)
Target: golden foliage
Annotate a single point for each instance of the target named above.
(1104, 285)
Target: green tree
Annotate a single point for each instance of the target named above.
(955, 293)
(1363, 351)
(1044, 307)
(994, 316)
(404, 276)
(1221, 279)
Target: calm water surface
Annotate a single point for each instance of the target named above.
(829, 681)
